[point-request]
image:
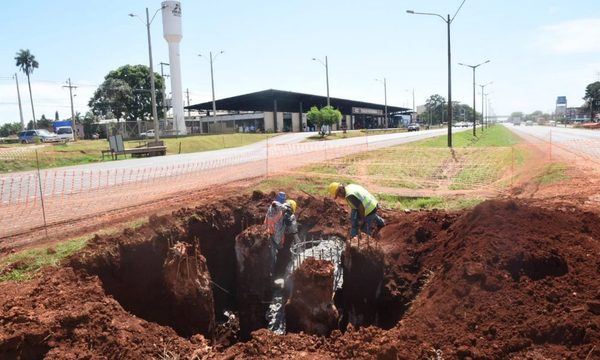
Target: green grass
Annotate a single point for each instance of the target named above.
(553, 173)
(89, 151)
(474, 162)
(24, 265)
(313, 185)
(353, 133)
(491, 137)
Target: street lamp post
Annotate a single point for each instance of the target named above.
(385, 118)
(212, 83)
(326, 64)
(487, 120)
(483, 104)
(474, 111)
(448, 20)
(152, 86)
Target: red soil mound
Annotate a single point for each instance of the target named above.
(503, 280)
(310, 308)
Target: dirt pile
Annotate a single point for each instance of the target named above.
(254, 281)
(187, 283)
(507, 278)
(310, 307)
(502, 280)
(63, 315)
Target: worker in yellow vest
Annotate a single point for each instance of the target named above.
(364, 207)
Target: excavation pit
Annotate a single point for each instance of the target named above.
(503, 279)
(190, 271)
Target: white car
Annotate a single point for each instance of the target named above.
(147, 134)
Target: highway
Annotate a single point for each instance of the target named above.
(582, 142)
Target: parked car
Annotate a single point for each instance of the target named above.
(65, 133)
(30, 136)
(528, 123)
(414, 127)
(147, 134)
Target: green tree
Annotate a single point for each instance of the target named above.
(56, 117)
(44, 123)
(10, 129)
(592, 98)
(125, 94)
(435, 109)
(324, 116)
(26, 62)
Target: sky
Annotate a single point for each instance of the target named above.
(538, 49)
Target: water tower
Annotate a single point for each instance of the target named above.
(171, 16)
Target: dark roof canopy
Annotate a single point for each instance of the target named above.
(287, 101)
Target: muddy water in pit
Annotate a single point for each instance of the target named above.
(328, 249)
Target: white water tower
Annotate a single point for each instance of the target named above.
(171, 16)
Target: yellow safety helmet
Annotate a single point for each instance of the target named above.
(332, 189)
(292, 204)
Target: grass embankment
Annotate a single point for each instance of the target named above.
(26, 264)
(19, 157)
(553, 173)
(427, 165)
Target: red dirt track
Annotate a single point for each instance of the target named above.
(504, 280)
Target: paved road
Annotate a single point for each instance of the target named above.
(23, 187)
(73, 195)
(584, 142)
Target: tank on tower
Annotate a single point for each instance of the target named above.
(171, 16)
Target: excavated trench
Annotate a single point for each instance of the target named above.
(207, 271)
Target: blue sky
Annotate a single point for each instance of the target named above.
(539, 49)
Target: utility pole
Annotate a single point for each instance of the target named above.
(20, 108)
(71, 87)
(187, 95)
(164, 91)
(212, 83)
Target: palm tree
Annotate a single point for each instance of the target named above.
(27, 62)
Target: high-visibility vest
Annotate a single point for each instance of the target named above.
(368, 201)
(273, 216)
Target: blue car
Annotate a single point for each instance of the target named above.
(30, 136)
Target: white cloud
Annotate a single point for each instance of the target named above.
(571, 37)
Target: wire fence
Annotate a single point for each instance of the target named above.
(69, 194)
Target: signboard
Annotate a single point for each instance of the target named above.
(561, 100)
(367, 111)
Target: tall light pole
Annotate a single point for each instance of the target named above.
(326, 64)
(212, 82)
(152, 86)
(483, 104)
(474, 111)
(487, 120)
(385, 119)
(448, 20)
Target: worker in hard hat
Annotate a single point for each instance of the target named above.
(364, 207)
(281, 220)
